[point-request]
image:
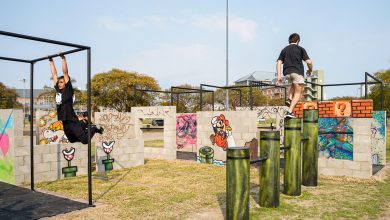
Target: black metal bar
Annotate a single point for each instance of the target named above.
(259, 159)
(250, 96)
(382, 96)
(365, 86)
(14, 59)
(89, 127)
(31, 126)
(177, 101)
(349, 84)
(213, 99)
(322, 93)
(41, 39)
(373, 77)
(135, 96)
(193, 89)
(171, 99)
(56, 55)
(201, 98)
(240, 98)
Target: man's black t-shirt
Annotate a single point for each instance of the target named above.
(64, 101)
(292, 57)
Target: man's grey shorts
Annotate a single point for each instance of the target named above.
(295, 78)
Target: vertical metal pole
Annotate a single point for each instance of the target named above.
(201, 98)
(213, 99)
(89, 127)
(31, 117)
(382, 96)
(240, 98)
(177, 102)
(171, 98)
(227, 55)
(365, 86)
(322, 93)
(135, 96)
(250, 95)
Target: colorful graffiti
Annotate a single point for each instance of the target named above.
(378, 138)
(51, 131)
(335, 138)
(6, 162)
(222, 136)
(185, 130)
(70, 170)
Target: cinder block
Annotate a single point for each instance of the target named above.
(42, 167)
(49, 158)
(124, 157)
(327, 171)
(335, 163)
(361, 157)
(322, 162)
(343, 172)
(351, 165)
(366, 166)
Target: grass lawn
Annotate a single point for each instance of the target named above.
(183, 189)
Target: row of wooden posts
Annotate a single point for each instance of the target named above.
(300, 165)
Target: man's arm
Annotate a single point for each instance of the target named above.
(279, 71)
(64, 68)
(309, 66)
(53, 70)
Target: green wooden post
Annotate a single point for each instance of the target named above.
(269, 169)
(310, 147)
(237, 183)
(292, 157)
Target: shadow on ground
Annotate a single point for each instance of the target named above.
(21, 203)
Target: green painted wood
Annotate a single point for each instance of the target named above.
(237, 183)
(269, 169)
(292, 157)
(310, 148)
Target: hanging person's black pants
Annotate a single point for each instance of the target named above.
(75, 132)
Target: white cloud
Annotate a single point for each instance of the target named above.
(173, 64)
(244, 28)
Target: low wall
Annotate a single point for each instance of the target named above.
(222, 129)
(121, 141)
(168, 113)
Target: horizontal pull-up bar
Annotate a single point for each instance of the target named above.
(184, 88)
(42, 39)
(56, 55)
(15, 59)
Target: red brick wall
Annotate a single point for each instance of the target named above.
(298, 110)
(326, 109)
(362, 108)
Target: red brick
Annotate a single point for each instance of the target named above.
(369, 115)
(366, 111)
(361, 115)
(366, 103)
(355, 104)
(361, 108)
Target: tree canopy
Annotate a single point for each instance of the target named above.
(375, 91)
(8, 98)
(115, 89)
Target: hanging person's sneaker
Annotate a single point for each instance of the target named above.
(290, 115)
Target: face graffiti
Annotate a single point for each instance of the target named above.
(222, 131)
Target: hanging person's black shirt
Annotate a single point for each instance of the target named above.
(292, 57)
(64, 101)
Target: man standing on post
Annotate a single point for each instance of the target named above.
(64, 100)
(291, 57)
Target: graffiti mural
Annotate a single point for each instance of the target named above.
(378, 138)
(117, 125)
(69, 171)
(6, 161)
(50, 130)
(185, 130)
(335, 138)
(223, 136)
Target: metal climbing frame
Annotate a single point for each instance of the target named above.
(78, 48)
(365, 83)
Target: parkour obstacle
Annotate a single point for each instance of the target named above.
(301, 147)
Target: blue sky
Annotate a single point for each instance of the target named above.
(183, 41)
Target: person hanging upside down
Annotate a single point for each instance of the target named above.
(65, 112)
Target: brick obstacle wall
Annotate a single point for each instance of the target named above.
(340, 108)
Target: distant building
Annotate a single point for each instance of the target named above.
(313, 92)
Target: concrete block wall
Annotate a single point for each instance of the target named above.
(243, 124)
(361, 165)
(11, 140)
(121, 130)
(168, 113)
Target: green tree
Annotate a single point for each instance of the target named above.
(115, 89)
(8, 98)
(188, 100)
(375, 91)
(234, 97)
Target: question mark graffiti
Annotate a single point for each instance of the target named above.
(342, 107)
